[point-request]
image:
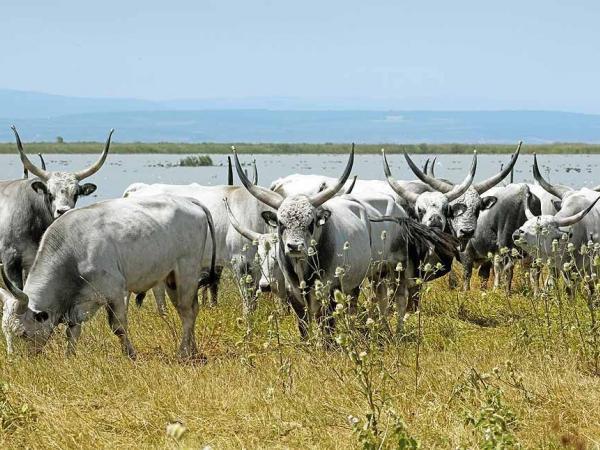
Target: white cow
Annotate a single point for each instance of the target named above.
(95, 256)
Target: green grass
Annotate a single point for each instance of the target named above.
(299, 148)
(254, 392)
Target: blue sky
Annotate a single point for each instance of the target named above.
(406, 55)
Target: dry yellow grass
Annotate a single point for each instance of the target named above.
(243, 398)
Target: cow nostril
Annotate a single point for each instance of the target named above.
(468, 232)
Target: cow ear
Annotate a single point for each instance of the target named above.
(488, 202)
(41, 316)
(322, 216)
(87, 189)
(270, 217)
(458, 209)
(557, 204)
(39, 187)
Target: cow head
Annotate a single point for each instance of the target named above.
(464, 211)
(299, 217)
(19, 321)
(432, 208)
(271, 277)
(61, 189)
(538, 232)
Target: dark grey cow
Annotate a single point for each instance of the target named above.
(494, 231)
(28, 207)
(94, 256)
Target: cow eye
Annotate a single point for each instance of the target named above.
(311, 227)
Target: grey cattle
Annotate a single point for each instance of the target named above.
(232, 249)
(577, 222)
(324, 245)
(432, 208)
(28, 207)
(463, 220)
(271, 277)
(96, 255)
(311, 184)
(494, 231)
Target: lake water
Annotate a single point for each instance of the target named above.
(120, 171)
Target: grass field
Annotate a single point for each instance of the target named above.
(174, 148)
(493, 372)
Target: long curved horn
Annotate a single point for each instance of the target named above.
(461, 188)
(28, 165)
(407, 195)
(42, 161)
(247, 233)
(351, 187)
(527, 195)
(438, 185)
(96, 166)
(270, 198)
(254, 173)
(432, 168)
(426, 166)
(229, 172)
(570, 220)
(321, 197)
(558, 191)
(486, 185)
(22, 299)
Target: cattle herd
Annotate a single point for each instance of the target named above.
(303, 238)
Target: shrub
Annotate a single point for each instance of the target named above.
(196, 161)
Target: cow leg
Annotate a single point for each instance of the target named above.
(301, 314)
(383, 304)
(184, 295)
(467, 274)
(159, 297)
(73, 332)
(509, 270)
(452, 281)
(401, 299)
(498, 271)
(117, 319)
(484, 274)
(214, 287)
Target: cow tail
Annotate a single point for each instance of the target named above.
(212, 277)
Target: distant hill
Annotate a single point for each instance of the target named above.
(43, 117)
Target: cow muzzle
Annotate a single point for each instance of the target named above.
(264, 286)
(294, 249)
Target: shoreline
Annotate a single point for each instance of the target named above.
(171, 148)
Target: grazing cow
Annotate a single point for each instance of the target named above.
(232, 248)
(324, 245)
(94, 256)
(432, 208)
(547, 236)
(28, 207)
